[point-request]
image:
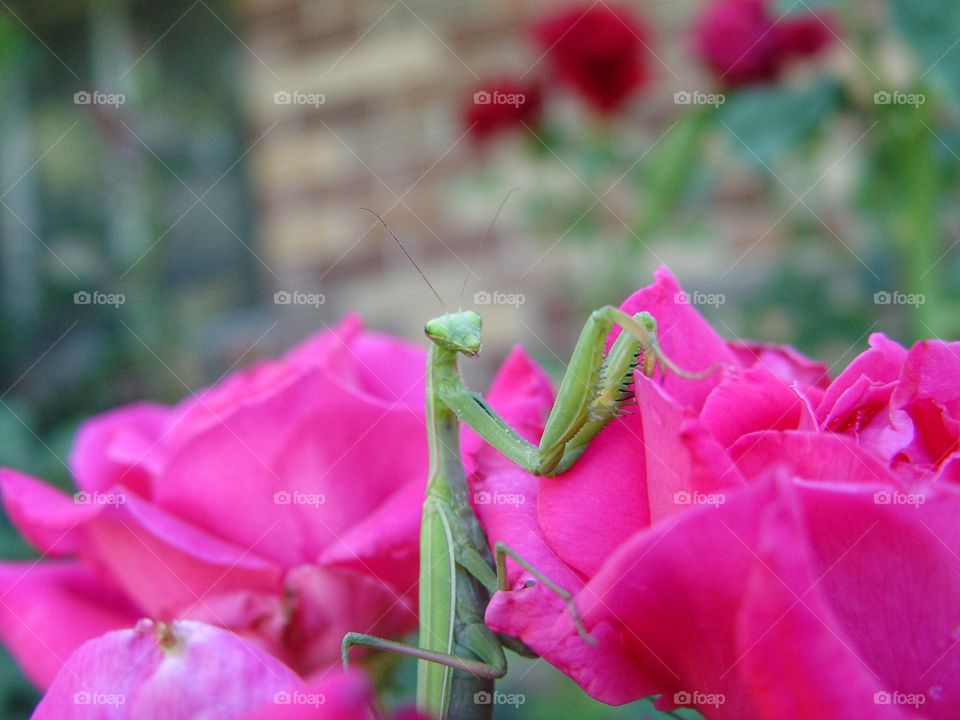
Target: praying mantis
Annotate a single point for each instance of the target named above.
(459, 657)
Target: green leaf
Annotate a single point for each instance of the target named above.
(931, 28)
(768, 122)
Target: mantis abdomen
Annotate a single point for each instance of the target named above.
(452, 625)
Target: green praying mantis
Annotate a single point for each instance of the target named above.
(459, 657)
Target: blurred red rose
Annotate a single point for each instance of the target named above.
(599, 51)
(501, 105)
(744, 43)
(807, 36)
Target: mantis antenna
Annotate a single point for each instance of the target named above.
(483, 242)
(409, 257)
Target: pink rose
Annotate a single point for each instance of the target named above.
(731, 551)
(282, 503)
(745, 42)
(189, 670)
(903, 406)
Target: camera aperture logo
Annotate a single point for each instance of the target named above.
(498, 698)
(484, 497)
(288, 297)
(284, 697)
(95, 97)
(98, 498)
(884, 297)
(285, 497)
(894, 497)
(685, 497)
(896, 97)
(699, 699)
(95, 297)
(694, 97)
(884, 697)
(486, 297)
(86, 697)
(495, 97)
(293, 97)
(699, 298)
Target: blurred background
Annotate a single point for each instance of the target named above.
(180, 186)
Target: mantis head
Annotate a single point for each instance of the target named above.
(458, 331)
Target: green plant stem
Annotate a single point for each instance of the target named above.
(917, 227)
(671, 166)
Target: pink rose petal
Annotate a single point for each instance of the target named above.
(48, 609)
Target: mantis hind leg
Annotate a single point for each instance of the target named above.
(474, 563)
(492, 666)
(517, 646)
(503, 552)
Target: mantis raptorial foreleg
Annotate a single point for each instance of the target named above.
(592, 392)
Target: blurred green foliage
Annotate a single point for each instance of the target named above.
(770, 122)
(114, 186)
(930, 27)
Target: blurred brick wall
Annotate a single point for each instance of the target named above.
(388, 136)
